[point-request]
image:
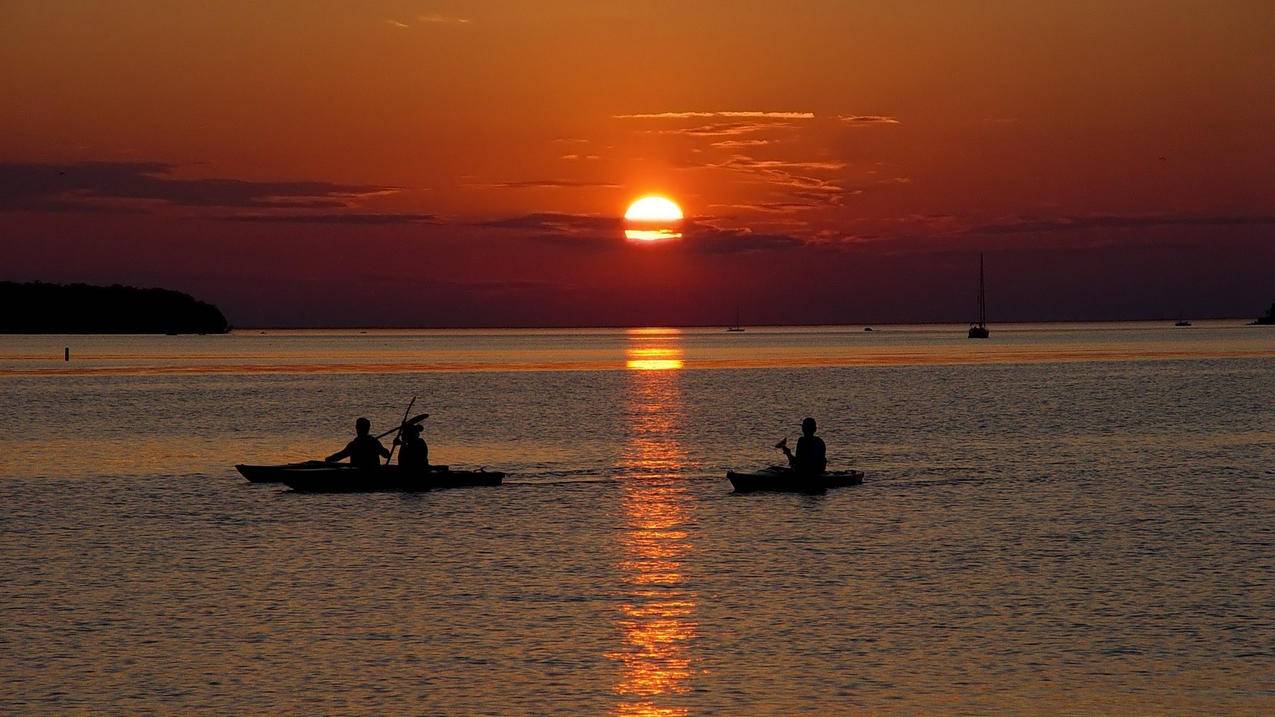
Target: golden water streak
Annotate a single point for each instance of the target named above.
(861, 357)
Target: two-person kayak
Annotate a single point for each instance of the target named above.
(324, 477)
(786, 480)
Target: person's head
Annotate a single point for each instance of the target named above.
(413, 430)
(362, 426)
(808, 427)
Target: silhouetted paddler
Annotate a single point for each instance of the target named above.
(811, 457)
(364, 451)
(415, 453)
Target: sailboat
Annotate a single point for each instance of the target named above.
(735, 327)
(979, 330)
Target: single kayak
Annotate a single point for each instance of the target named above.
(786, 480)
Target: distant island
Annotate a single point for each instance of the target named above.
(40, 308)
(1268, 319)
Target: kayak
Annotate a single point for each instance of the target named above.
(321, 476)
(786, 480)
(344, 478)
(273, 474)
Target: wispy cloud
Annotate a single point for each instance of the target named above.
(106, 186)
(599, 233)
(578, 157)
(1038, 225)
(723, 129)
(737, 143)
(799, 179)
(730, 114)
(332, 218)
(741, 161)
(768, 207)
(399, 25)
(551, 184)
(444, 19)
(557, 222)
(866, 120)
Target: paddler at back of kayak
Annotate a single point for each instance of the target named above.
(364, 451)
(415, 454)
(812, 456)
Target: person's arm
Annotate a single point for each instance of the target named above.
(385, 453)
(343, 453)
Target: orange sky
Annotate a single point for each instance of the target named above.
(307, 163)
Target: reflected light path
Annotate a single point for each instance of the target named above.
(656, 618)
(651, 234)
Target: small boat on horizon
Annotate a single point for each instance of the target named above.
(735, 327)
(979, 330)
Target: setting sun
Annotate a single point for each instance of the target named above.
(653, 209)
(652, 218)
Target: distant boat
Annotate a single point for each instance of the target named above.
(979, 330)
(735, 327)
(1182, 322)
(867, 328)
(1267, 320)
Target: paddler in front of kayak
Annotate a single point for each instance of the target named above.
(811, 458)
(364, 451)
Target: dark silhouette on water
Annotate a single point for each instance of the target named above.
(779, 479)
(85, 309)
(811, 457)
(364, 451)
(1268, 319)
(979, 330)
(806, 472)
(415, 454)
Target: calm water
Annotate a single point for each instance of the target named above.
(1062, 519)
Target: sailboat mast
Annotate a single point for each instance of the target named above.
(982, 296)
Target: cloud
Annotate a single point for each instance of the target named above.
(723, 129)
(551, 184)
(109, 186)
(734, 114)
(399, 25)
(867, 120)
(557, 222)
(769, 207)
(741, 161)
(795, 177)
(736, 143)
(706, 239)
(332, 218)
(577, 157)
(444, 19)
(1038, 225)
(600, 232)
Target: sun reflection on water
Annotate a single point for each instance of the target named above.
(657, 617)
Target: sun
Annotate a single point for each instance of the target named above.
(653, 208)
(652, 218)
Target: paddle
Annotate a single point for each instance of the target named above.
(411, 421)
(401, 423)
